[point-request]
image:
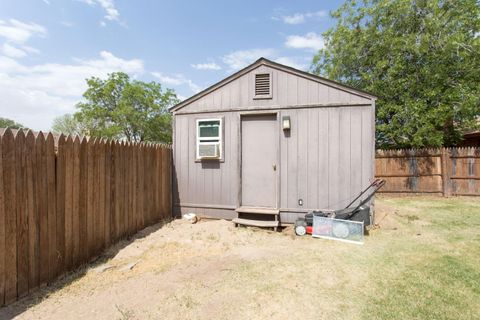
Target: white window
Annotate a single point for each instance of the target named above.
(209, 138)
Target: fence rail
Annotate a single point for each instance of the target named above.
(445, 171)
(64, 199)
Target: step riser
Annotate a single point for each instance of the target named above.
(256, 223)
(256, 216)
(252, 210)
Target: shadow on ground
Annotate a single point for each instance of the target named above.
(39, 294)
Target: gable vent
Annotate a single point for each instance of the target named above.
(262, 84)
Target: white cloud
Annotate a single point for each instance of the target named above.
(311, 41)
(34, 95)
(20, 32)
(46, 2)
(12, 52)
(30, 49)
(239, 59)
(111, 12)
(177, 80)
(298, 18)
(206, 66)
(293, 62)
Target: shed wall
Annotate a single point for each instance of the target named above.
(325, 160)
(289, 90)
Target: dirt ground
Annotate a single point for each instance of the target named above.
(212, 270)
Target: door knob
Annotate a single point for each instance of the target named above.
(274, 167)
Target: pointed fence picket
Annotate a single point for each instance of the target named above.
(64, 199)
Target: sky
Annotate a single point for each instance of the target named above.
(49, 47)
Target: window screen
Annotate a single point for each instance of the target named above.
(209, 129)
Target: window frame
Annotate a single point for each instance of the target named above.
(198, 141)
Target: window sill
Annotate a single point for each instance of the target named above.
(209, 160)
(263, 97)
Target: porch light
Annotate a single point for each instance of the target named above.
(286, 122)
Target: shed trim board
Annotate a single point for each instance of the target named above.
(245, 118)
(323, 160)
(266, 109)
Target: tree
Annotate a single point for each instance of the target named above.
(421, 57)
(7, 123)
(126, 109)
(67, 124)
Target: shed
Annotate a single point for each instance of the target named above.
(271, 140)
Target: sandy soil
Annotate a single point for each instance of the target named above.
(212, 270)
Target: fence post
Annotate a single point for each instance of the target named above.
(445, 159)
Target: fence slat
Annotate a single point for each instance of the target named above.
(128, 218)
(83, 201)
(9, 177)
(101, 194)
(2, 228)
(22, 218)
(165, 196)
(134, 188)
(90, 194)
(108, 181)
(96, 196)
(60, 187)
(68, 204)
(76, 202)
(116, 192)
(139, 191)
(41, 187)
(32, 213)
(131, 189)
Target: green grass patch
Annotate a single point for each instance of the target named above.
(431, 268)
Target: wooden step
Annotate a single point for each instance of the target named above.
(256, 223)
(258, 210)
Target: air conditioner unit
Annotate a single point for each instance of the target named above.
(209, 151)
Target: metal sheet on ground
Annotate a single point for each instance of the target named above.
(336, 229)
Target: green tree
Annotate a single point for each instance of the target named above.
(122, 108)
(67, 124)
(421, 57)
(7, 123)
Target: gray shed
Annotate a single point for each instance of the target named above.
(272, 140)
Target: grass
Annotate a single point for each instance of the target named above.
(432, 271)
(423, 264)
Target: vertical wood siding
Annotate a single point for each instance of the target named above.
(325, 160)
(288, 90)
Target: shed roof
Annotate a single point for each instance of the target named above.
(275, 65)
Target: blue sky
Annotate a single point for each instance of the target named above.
(49, 47)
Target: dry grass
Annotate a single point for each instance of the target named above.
(423, 263)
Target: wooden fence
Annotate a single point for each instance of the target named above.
(64, 199)
(445, 171)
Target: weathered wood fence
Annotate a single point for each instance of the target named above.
(64, 199)
(445, 171)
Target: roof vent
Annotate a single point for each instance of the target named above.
(263, 85)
